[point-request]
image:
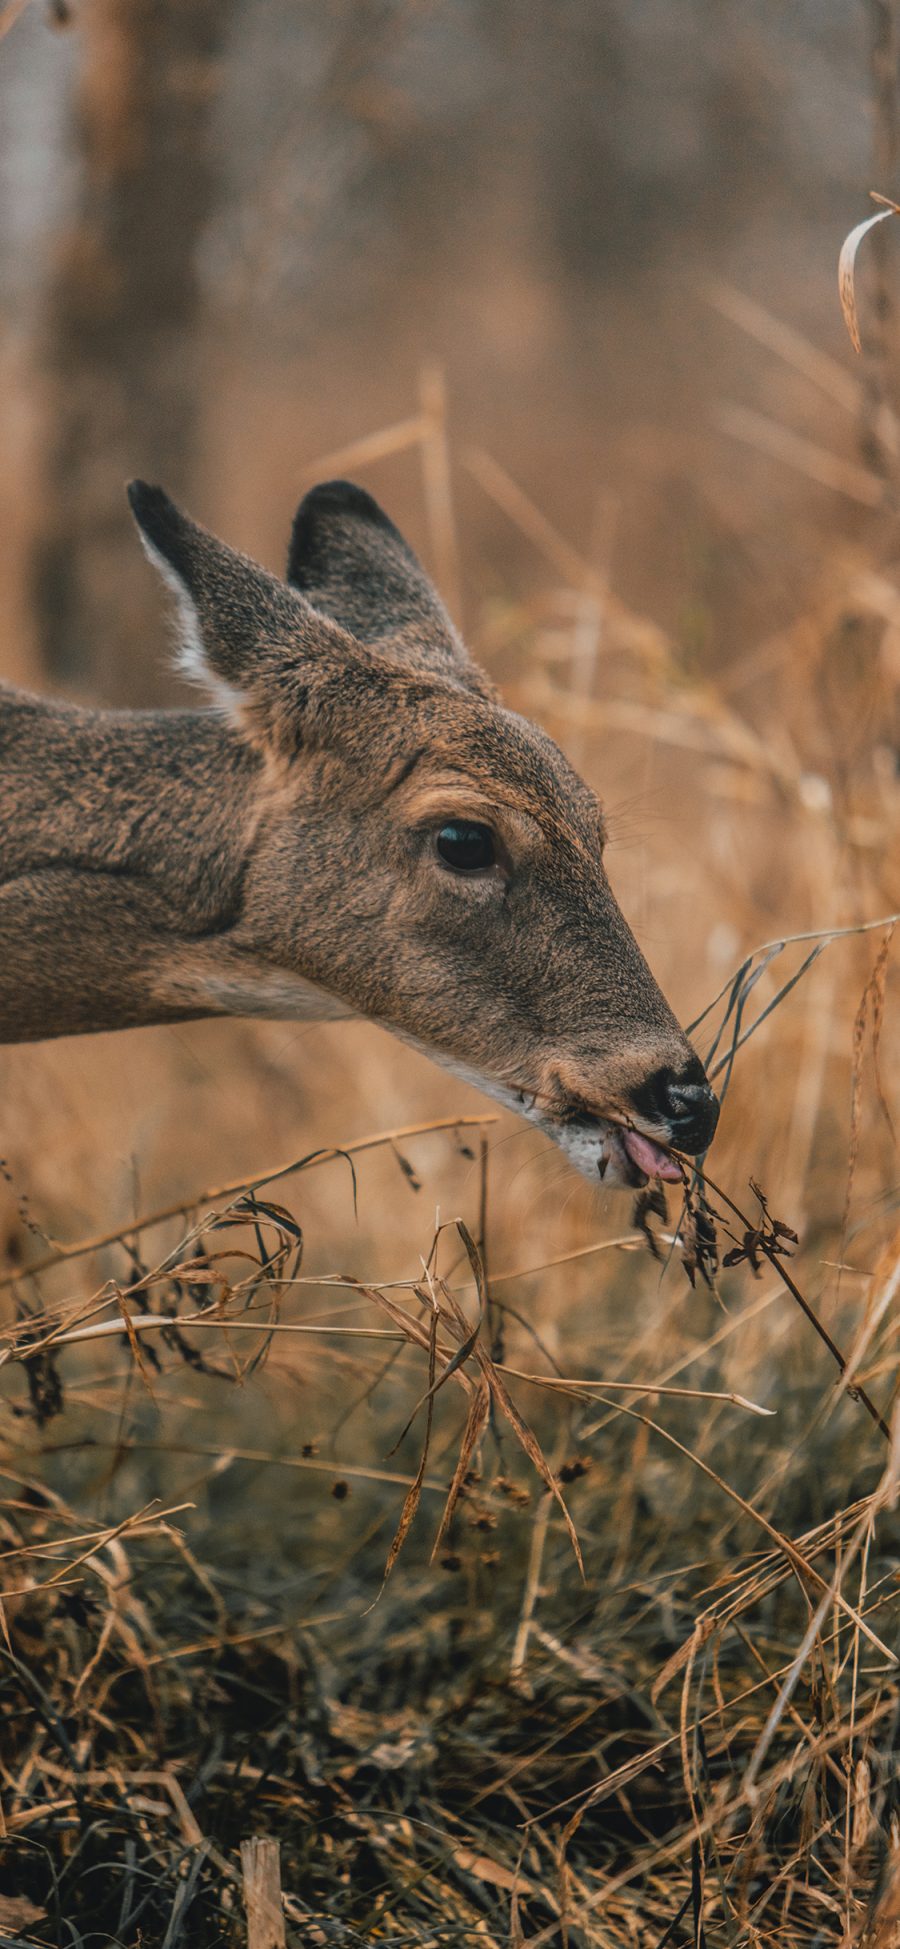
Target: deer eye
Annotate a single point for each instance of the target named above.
(466, 847)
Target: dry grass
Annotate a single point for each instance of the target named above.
(526, 1590)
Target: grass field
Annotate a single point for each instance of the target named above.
(372, 1483)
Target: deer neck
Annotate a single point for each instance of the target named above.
(124, 838)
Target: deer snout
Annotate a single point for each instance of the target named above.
(684, 1102)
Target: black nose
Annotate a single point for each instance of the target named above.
(682, 1099)
(693, 1111)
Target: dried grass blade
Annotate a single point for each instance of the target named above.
(137, 1352)
(413, 1494)
(127, 1527)
(786, 343)
(847, 270)
(872, 997)
(434, 1387)
(388, 440)
(805, 456)
(879, 982)
(476, 1262)
(858, 1045)
(502, 1397)
(826, 934)
(531, 522)
(528, 1440)
(476, 1421)
(703, 1630)
(739, 986)
(742, 1036)
(435, 450)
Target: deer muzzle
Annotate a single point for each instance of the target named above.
(632, 1141)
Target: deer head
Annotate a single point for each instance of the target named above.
(420, 854)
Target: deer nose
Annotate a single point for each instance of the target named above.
(693, 1111)
(685, 1102)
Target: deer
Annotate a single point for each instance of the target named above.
(352, 824)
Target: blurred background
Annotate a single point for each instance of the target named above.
(558, 285)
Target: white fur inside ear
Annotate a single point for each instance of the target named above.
(190, 655)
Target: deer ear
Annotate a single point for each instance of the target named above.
(353, 565)
(256, 646)
(228, 607)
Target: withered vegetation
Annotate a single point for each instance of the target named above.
(529, 1574)
(618, 1693)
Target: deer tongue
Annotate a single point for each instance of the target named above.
(650, 1158)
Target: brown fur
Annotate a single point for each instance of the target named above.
(277, 856)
